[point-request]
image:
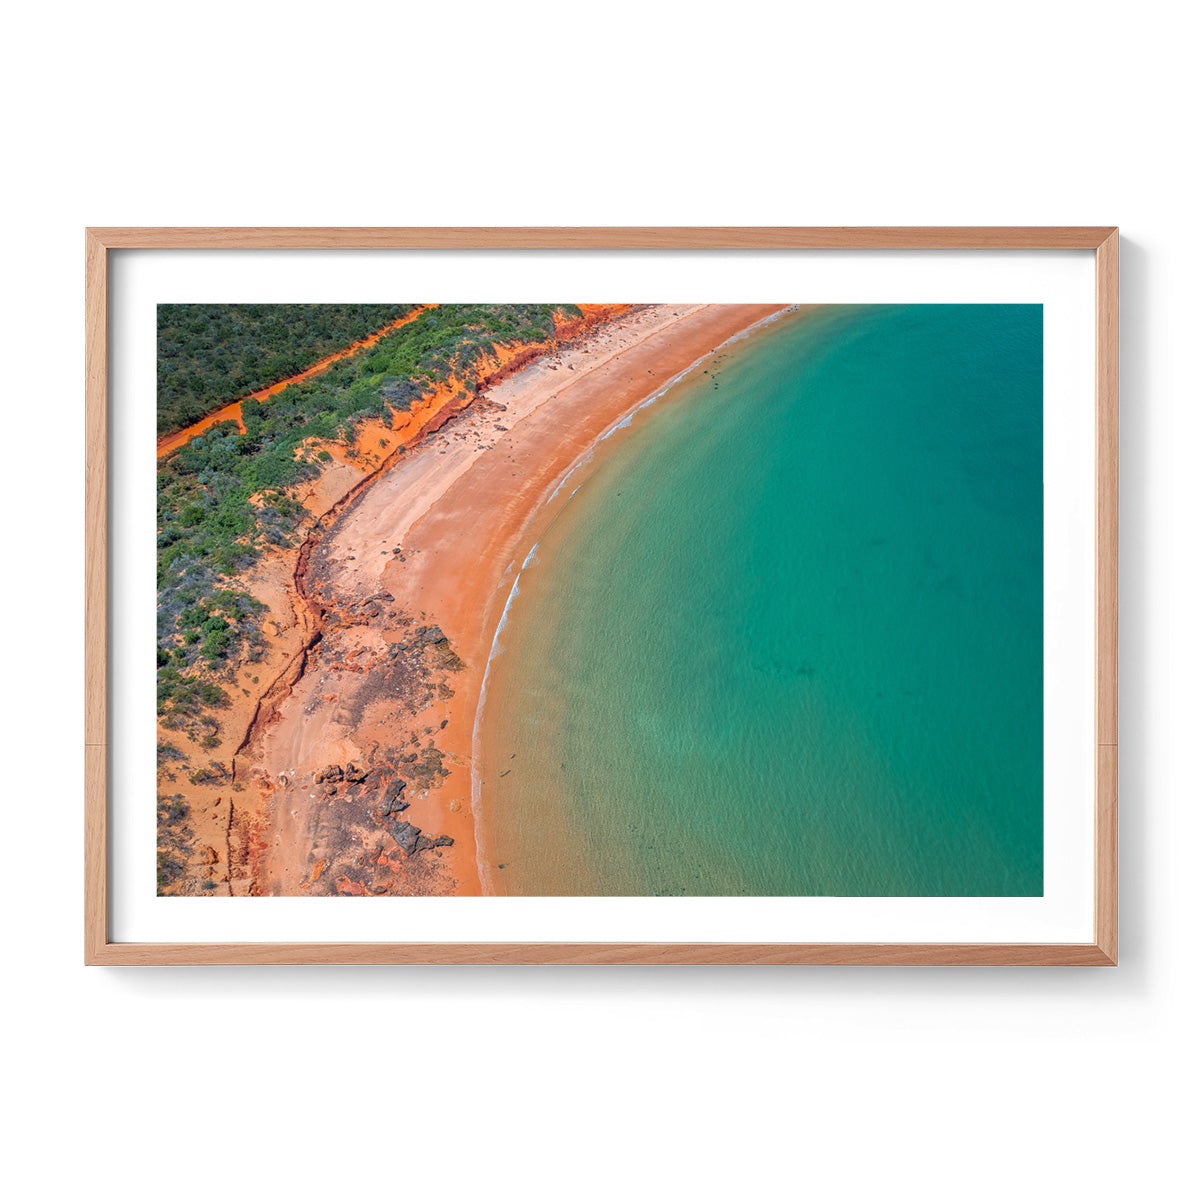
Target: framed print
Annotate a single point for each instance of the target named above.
(562, 595)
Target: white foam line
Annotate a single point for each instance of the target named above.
(562, 483)
(624, 423)
(627, 420)
(476, 778)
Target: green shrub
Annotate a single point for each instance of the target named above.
(223, 497)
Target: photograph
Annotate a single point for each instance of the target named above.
(600, 599)
(666, 523)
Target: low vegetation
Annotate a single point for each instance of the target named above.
(175, 840)
(226, 496)
(211, 354)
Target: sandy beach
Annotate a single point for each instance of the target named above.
(370, 747)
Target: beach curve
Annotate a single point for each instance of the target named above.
(441, 535)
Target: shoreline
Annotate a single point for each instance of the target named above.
(441, 541)
(586, 460)
(225, 833)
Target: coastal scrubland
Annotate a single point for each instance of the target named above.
(210, 354)
(232, 494)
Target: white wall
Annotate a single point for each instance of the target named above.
(586, 1081)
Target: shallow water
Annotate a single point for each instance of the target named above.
(786, 639)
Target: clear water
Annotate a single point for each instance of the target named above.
(786, 639)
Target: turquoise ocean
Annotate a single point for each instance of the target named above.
(786, 637)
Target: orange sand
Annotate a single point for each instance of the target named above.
(225, 820)
(464, 505)
(229, 837)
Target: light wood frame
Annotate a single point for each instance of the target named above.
(98, 949)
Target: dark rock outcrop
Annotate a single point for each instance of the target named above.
(393, 801)
(411, 840)
(406, 835)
